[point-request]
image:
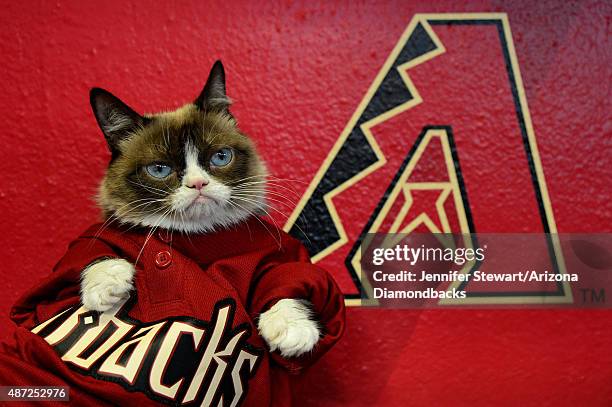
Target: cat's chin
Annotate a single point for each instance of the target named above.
(201, 199)
(202, 207)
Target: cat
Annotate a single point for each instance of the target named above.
(190, 171)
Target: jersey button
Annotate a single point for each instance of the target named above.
(163, 259)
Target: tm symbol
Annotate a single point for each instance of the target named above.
(592, 296)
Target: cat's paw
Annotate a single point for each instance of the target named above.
(105, 283)
(288, 326)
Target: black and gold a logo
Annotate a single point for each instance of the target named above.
(441, 142)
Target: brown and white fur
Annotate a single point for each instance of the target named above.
(190, 170)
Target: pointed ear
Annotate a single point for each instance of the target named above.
(213, 95)
(116, 119)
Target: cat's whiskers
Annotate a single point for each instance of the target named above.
(270, 184)
(151, 232)
(126, 219)
(264, 208)
(185, 229)
(154, 190)
(255, 197)
(260, 205)
(172, 229)
(116, 215)
(151, 191)
(184, 225)
(269, 177)
(265, 194)
(246, 196)
(137, 222)
(246, 178)
(237, 205)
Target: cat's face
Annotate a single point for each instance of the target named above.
(190, 170)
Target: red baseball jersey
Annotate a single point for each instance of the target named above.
(186, 334)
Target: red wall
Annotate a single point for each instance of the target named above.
(297, 71)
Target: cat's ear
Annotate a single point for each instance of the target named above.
(213, 97)
(116, 119)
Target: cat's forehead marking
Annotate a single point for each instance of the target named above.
(193, 169)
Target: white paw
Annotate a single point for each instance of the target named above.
(105, 283)
(288, 327)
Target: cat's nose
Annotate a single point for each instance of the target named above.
(197, 183)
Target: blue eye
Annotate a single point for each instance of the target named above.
(222, 157)
(158, 170)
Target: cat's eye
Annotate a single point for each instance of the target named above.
(222, 157)
(158, 171)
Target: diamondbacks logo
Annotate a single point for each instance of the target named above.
(442, 142)
(174, 361)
